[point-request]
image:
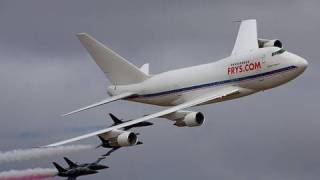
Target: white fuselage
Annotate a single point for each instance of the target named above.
(257, 70)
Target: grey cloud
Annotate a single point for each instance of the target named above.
(45, 72)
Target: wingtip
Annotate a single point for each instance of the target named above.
(72, 112)
(64, 115)
(49, 146)
(242, 20)
(82, 34)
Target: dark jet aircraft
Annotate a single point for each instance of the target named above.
(93, 166)
(76, 170)
(117, 121)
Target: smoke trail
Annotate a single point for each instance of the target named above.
(28, 174)
(36, 153)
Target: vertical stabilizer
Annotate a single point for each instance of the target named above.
(58, 167)
(70, 163)
(115, 119)
(118, 70)
(247, 38)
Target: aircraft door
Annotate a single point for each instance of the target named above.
(262, 68)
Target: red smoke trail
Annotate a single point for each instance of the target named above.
(37, 153)
(28, 174)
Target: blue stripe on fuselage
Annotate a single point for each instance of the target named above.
(218, 83)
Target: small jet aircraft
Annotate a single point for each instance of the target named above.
(117, 121)
(254, 65)
(108, 142)
(94, 165)
(75, 170)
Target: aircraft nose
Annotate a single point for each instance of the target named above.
(102, 167)
(302, 63)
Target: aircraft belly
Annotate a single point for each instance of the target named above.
(162, 100)
(243, 92)
(179, 98)
(270, 81)
(256, 84)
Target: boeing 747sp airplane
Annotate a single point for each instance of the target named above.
(254, 65)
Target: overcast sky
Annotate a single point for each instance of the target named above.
(44, 72)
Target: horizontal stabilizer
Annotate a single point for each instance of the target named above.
(58, 167)
(145, 68)
(105, 101)
(115, 119)
(70, 163)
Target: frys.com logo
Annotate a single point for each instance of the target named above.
(243, 67)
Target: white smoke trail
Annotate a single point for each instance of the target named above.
(36, 153)
(28, 174)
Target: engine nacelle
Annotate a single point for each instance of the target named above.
(191, 119)
(121, 139)
(269, 43)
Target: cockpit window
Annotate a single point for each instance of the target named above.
(278, 52)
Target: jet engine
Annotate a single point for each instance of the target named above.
(186, 118)
(269, 43)
(191, 120)
(124, 139)
(118, 138)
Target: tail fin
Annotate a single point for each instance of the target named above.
(70, 163)
(101, 139)
(115, 119)
(58, 167)
(118, 70)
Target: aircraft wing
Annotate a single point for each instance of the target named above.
(247, 38)
(105, 101)
(230, 90)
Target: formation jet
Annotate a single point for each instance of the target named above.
(254, 65)
(75, 170)
(117, 121)
(94, 165)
